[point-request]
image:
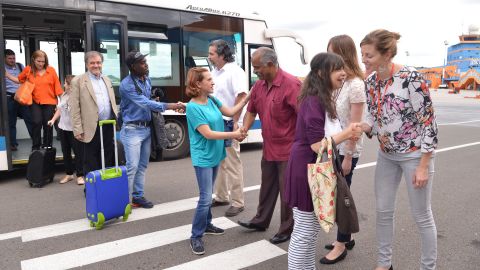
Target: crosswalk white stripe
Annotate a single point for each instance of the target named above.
(92, 254)
(10, 235)
(139, 214)
(81, 225)
(236, 258)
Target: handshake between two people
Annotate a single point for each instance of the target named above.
(178, 107)
(240, 134)
(355, 130)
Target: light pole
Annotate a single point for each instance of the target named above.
(407, 53)
(445, 61)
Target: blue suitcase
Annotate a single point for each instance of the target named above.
(107, 189)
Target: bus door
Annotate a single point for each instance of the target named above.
(107, 34)
(60, 35)
(5, 157)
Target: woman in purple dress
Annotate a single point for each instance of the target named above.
(317, 107)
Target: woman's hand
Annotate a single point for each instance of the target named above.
(51, 122)
(354, 131)
(365, 127)
(347, 165)
(420, 178)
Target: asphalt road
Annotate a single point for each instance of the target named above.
(46, 228)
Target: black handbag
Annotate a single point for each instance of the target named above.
(346, 212)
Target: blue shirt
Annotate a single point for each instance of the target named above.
(205, 152)
(103, 99)
(135, 106)
(10, 85)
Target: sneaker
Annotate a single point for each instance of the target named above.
(80, 180)
(214, 230)
(233, 211)
(66, 178)
(197, 246)
(141, 202)
(216, 203)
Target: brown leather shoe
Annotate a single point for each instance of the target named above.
(233, 211)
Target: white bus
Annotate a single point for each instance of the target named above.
(175, 34)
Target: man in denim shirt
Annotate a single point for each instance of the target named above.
(14, 108)
(136, 107)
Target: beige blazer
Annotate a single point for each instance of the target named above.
(83, 106)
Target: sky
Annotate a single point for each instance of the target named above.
(424, 25)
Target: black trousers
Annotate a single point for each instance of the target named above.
(41, 114)
(69, 142)
(92, 159)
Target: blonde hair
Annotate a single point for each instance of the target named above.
(36, 54)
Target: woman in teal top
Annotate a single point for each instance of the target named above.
(205, 128)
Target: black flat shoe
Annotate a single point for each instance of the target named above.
(342, 256)
(391, 267)
(279, 238)
(349, 245)
(252, 226)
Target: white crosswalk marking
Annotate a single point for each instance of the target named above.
(81, 225)
(236, 258)
(92, 254)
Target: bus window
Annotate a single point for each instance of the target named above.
(107, 37)
(18, 47)
(163, 60)
(51, 49)
(199, 31)
(78, 62)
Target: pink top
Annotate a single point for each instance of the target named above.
(277, 109)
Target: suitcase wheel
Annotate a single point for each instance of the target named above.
(128, 211)
(100, 221)
(92, 224)
(30, 184)
(51, 180)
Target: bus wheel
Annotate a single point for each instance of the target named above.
(178, 142)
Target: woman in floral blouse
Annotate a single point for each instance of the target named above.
(400, 113)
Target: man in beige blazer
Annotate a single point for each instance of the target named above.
(92, 99)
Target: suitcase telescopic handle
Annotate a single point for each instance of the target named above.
(106, 122)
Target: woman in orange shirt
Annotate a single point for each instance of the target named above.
(47, 88)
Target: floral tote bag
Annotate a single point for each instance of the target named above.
(322, 181)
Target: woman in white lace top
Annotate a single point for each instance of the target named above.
(350, 101)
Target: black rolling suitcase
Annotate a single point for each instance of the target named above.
(41, 166)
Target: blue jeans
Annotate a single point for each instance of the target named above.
(15, 110)
(136, 142)
(228, 127)
(203, 214)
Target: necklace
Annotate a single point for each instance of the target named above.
(381, 97)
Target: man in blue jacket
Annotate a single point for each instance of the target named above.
(136, 107)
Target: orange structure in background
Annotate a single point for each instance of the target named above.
(434, 75)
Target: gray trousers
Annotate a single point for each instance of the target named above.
(388, 174)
